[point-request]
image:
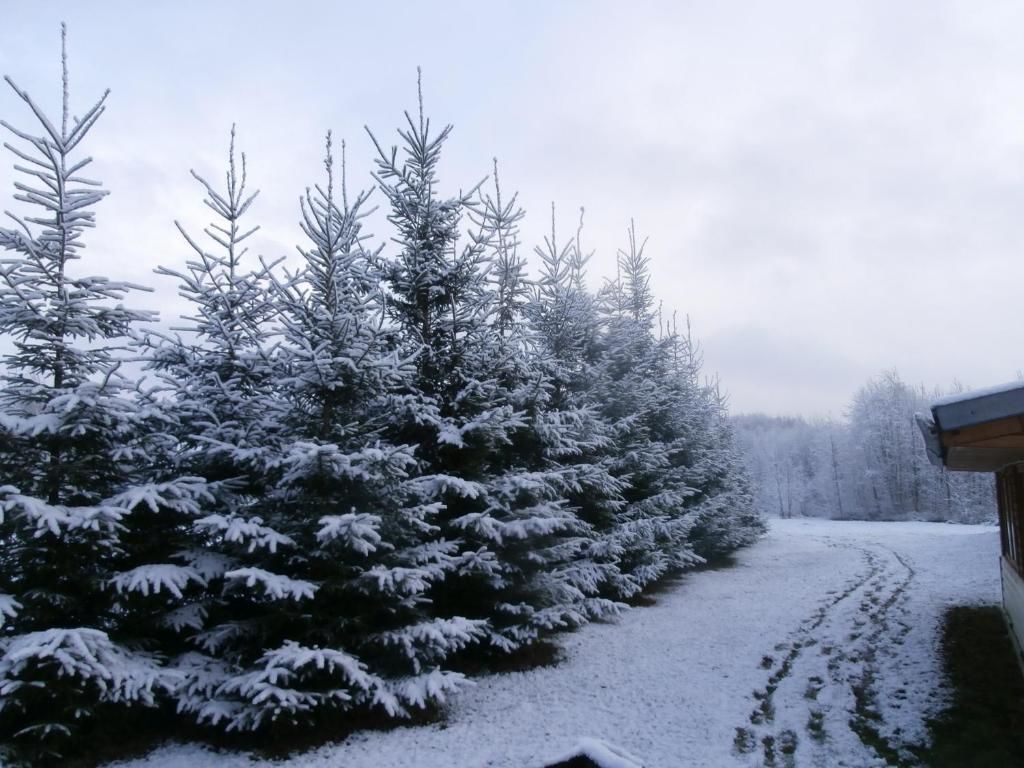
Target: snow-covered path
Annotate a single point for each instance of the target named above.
(819, 648)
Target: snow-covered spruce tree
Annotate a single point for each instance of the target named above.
(339, 609)
(218, 369)
(498, 221)
(552, 449)
(462, 418)
(645, 411)
(220, 376)
(708, 458)
(725, 515)
(77, 464)
(564, 351)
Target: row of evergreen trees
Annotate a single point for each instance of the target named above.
(336, 480)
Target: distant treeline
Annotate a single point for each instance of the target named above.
(872, 465)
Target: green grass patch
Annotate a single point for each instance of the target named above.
(983, 727)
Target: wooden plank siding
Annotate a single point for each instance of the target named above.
(1005, 433)
(1010, 493)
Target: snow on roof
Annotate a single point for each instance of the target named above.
(979, 406)
(974, 394)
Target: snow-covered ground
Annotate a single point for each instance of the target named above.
(821, 641)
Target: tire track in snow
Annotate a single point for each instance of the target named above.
(820, 700)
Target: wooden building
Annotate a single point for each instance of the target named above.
(983, 431)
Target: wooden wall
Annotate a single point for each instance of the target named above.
(1010, 490)
(1010, 486)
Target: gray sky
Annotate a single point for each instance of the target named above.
(830, 189)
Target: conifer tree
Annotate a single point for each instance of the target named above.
(648, 409)
(725, 516)
(359, 532)
(563, 316)
(216, 377)
(220, 373)
(79, 462)
(563, 578)
(468, 425)
(221, 370)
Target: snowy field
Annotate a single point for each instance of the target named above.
(822, 640)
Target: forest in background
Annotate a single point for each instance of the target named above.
(871, 465)
(342, 481)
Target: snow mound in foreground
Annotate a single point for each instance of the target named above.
(600, 753)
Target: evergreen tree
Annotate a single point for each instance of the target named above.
(468, 430)
(220, 374)
(564, 318)
(564, 580)
(722, 514)
(726, 518)
(80, 456)
(650, 530)
(688, 492)
(358, 635)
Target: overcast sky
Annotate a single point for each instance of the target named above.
(830, 188)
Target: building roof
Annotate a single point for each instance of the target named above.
(981, 431)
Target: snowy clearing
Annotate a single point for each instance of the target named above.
(821, 641)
